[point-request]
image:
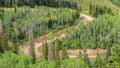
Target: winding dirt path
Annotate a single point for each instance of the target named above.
(71, 53)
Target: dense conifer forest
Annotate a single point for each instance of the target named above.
(59, 33)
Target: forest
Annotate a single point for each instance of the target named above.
(59, 33)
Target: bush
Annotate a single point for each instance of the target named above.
(11, 60)
(73, 63)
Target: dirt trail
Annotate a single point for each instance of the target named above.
(92, 53)
(72, 53)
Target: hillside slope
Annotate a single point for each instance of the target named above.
(39, 41)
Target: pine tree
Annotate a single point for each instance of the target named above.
(80, 55)
(45, 50)
(56, 53)
(1, 15)
(96, 11)
(86, 58)
(15, 45)
(90, 8)
(99, 61)
(31, 39)
(3, 43)
(50, 47)
(15, 37)
(3, 39)
(114, 59)
(64, 53)
(108, 53)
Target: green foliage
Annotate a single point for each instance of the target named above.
(97, 10)
(116, 2)
(86, 59)
(103, 32)
(45, 50)
(99, 62)
(11, 60)
(33, 3)
(1, 14)
(100, 33)
(3, 43)
(64, 53)
(114, 59)
(3, 39)
(46, 20)
(85, 4)
(73, 63)
(51, 35)
(56, 48)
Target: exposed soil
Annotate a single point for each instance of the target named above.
(91, 52)
(84, 18)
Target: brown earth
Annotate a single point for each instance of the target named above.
(91, 52)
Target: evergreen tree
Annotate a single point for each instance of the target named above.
(51, 56)
(80, 56)
(99, 62)
(90, 8)
(3, 39)
(114, 59)
(96, 11)
(64, 53)
(15, 37)
(86, 58)
(56, 53)
(31, 39)
(108, 53)
(45, 49)
(15, 44)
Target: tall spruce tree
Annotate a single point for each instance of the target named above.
(56, 53)
(45, 49)
(90, 8)
(31, 39)
(86, 58)
(99, 61)
(50, 47)
(64, 53)
(3, 39)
